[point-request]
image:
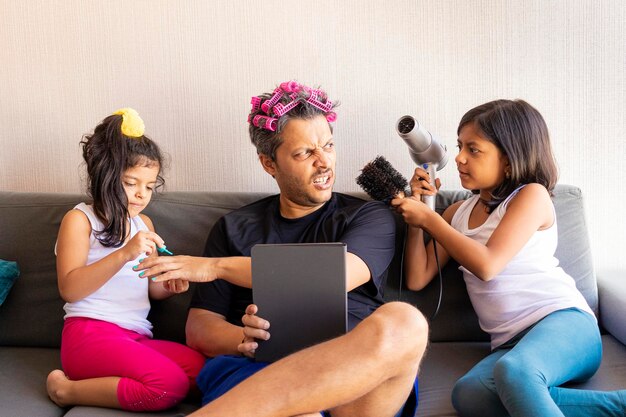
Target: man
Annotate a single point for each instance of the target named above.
(370, 371)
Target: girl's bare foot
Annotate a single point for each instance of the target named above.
(57, 386)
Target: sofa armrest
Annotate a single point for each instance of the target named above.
(612, 300)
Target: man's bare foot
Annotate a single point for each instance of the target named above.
(57, 384)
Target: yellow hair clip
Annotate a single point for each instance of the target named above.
(132, 125)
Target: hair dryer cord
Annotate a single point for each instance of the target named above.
(440, 297)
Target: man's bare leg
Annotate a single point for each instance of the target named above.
(369, 372)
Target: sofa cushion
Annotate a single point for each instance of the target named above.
(180, 410)
(23, 388)
(612, 293)
(445, 363)
(23, 381)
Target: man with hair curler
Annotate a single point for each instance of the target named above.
(371, 371)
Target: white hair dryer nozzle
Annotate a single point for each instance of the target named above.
(424, 148)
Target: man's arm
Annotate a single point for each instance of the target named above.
(234, 269)
(370, 242)
(357, 271)
(211, 334)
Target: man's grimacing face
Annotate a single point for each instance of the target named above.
(304, 167)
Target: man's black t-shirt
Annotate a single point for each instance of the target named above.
(366, 227)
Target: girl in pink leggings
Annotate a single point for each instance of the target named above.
(108, 355)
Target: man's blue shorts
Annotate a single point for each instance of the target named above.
(221, 373)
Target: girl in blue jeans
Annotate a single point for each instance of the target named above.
(543, 333)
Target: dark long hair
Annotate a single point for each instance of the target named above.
(108, 153)
(521, 133)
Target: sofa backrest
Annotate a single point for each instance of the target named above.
(32, 314)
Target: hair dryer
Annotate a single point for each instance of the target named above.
(425, 150)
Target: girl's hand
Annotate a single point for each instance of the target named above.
(142, 242)
(413, 211)
(176, 286)
(420, 183)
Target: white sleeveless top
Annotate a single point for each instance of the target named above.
(531, 286)
(123, 299)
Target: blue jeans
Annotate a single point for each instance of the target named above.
(523, 378)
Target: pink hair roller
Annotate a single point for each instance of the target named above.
(281, 109)
(265, 122)
(256, 103)
(321, 94)
(325, 107)
(331, 117)
(268, 104)
(306, 89)
(290, 86)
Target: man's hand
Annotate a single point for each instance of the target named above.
(254, 328)
(189, 268)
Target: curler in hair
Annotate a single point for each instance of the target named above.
(290, 86)
(264, 122)
(313, 100)
(280, 109)
(268, 104)
(256, 103)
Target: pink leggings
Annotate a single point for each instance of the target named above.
(155, 374)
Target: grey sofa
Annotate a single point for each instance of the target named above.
(31, 317)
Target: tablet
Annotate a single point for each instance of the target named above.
(301, 290)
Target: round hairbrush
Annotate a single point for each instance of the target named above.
(381, 181)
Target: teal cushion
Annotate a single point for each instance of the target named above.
(8, 274)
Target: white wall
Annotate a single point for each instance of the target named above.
(190, 66)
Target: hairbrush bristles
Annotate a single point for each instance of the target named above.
(381, 181)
